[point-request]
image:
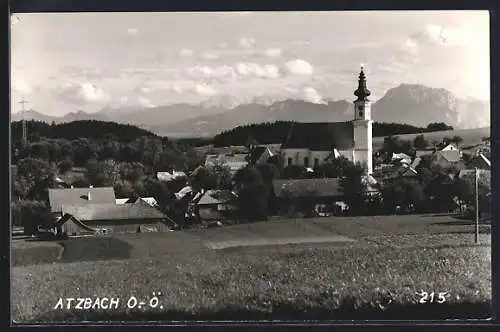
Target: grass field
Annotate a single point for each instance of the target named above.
(389, 259)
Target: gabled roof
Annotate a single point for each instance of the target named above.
(325, 187)
(480, 161)
(122, 200)
(320, 136)
(451, 156)
(97, 212)
(400, 156)
(183, 192)
(79, 196)
(415, 162)
(216, 197)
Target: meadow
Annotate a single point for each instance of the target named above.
(375, 275)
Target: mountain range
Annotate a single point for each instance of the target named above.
(412, 104)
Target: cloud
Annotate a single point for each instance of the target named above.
(22, 86)
(246, 42)
(207, 72)
(132, 31)
(273, 52)
(82, 93)
(311, 95)
(145, 102)
(256, 70)
(299, 67)
(222, 45)
(186, 52)
(241, 69)
(205, 90)
(209, 56)
(434, 34)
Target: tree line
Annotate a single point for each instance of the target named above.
(276, 132)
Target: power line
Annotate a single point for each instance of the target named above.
(24, 126)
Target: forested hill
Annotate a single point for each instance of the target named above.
(276, 132)
(85, 128)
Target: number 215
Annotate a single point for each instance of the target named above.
(432, 297)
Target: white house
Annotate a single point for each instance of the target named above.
(311, 144)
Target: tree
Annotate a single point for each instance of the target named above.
(334, 168)
(294, 172)
(102, 173)
(124, 189)
(457, 140)
(39, 176)
(252, 194)
(65, 166)
(420, 142)
(31, 215)
(354, 188)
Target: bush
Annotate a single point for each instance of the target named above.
(31, 215)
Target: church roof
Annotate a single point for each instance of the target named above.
(320, 136)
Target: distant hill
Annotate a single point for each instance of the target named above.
(416, 105)
(86, 129)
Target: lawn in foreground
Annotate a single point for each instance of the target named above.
(207, 284)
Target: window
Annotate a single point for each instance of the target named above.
(290, 161)
(306, 161)
(360, 114)
(316, 162)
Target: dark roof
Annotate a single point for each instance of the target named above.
(326, 187)
(320, 136)
(79, 196)
(94, 212)
(216, 197)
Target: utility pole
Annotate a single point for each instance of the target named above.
(476, 176)
(25, 129)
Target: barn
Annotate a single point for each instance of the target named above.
(113, 218)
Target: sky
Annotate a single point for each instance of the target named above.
(65, 62)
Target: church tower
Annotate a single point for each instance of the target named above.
(362, 125)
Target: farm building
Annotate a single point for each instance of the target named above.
(112, 218)
(59, 197)
(215, 205)
(307, 195)
(233, 161)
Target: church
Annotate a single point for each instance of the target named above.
(311, 144)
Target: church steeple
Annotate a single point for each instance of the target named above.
(362, 92)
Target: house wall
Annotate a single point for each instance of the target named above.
(298, 156)
(215, 211)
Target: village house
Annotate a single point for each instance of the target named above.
(214, 205)
(58, 197)
(112, 218)
(234, 162)
(308, 196)
(97, 210)
(149, 200)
